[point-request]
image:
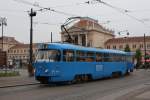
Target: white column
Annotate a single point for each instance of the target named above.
(86, 39)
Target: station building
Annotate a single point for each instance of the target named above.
(88, 32)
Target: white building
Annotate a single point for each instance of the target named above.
(88, 32)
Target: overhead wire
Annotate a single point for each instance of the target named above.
(44, 8)
(141, 10)
(69, 5)
(123, 11)
(47, 23)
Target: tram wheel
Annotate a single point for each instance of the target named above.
(127, 72)
(89, 77)
(116, 74)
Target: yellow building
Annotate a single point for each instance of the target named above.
(133, 42)
(20, 53)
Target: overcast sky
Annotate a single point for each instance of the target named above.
(19, 22)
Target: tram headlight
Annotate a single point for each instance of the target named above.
(46, 70)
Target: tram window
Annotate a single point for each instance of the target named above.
(122, 58)
(119, 58)
(115, 57)
(90, 57)
(48, 55)
(99, 57)
(53, 55)
(80, 56)
(129, 58)
(68, 55)
(111, 57)
(106, 57)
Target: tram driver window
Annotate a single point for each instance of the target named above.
(54, 55)
(68, 55)
(48, 55)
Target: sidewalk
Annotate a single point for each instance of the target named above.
(17, 80)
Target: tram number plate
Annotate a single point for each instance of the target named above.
(99, 67)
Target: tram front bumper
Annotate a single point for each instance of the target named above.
(47, 72)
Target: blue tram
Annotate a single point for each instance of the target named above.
(58, 62)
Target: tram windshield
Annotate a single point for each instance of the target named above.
(48, 55)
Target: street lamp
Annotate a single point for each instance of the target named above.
(126, 31)
(3, 21)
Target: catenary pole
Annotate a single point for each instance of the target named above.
(30, 68)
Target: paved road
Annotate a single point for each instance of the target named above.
(124, 88)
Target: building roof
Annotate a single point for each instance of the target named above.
(128, 39)
(91, 24)
(23, 46)
(88, 24)
(9, 40)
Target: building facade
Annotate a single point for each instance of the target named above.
(88, 32)
(134, 43)
(20, 53)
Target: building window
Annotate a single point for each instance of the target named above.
(134, 46)
(108, 47)
(141, 45)
(114, 46)
(14, 51)
(21, 51)
(148, 46)
(90, 43)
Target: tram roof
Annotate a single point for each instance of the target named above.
(77, 47)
